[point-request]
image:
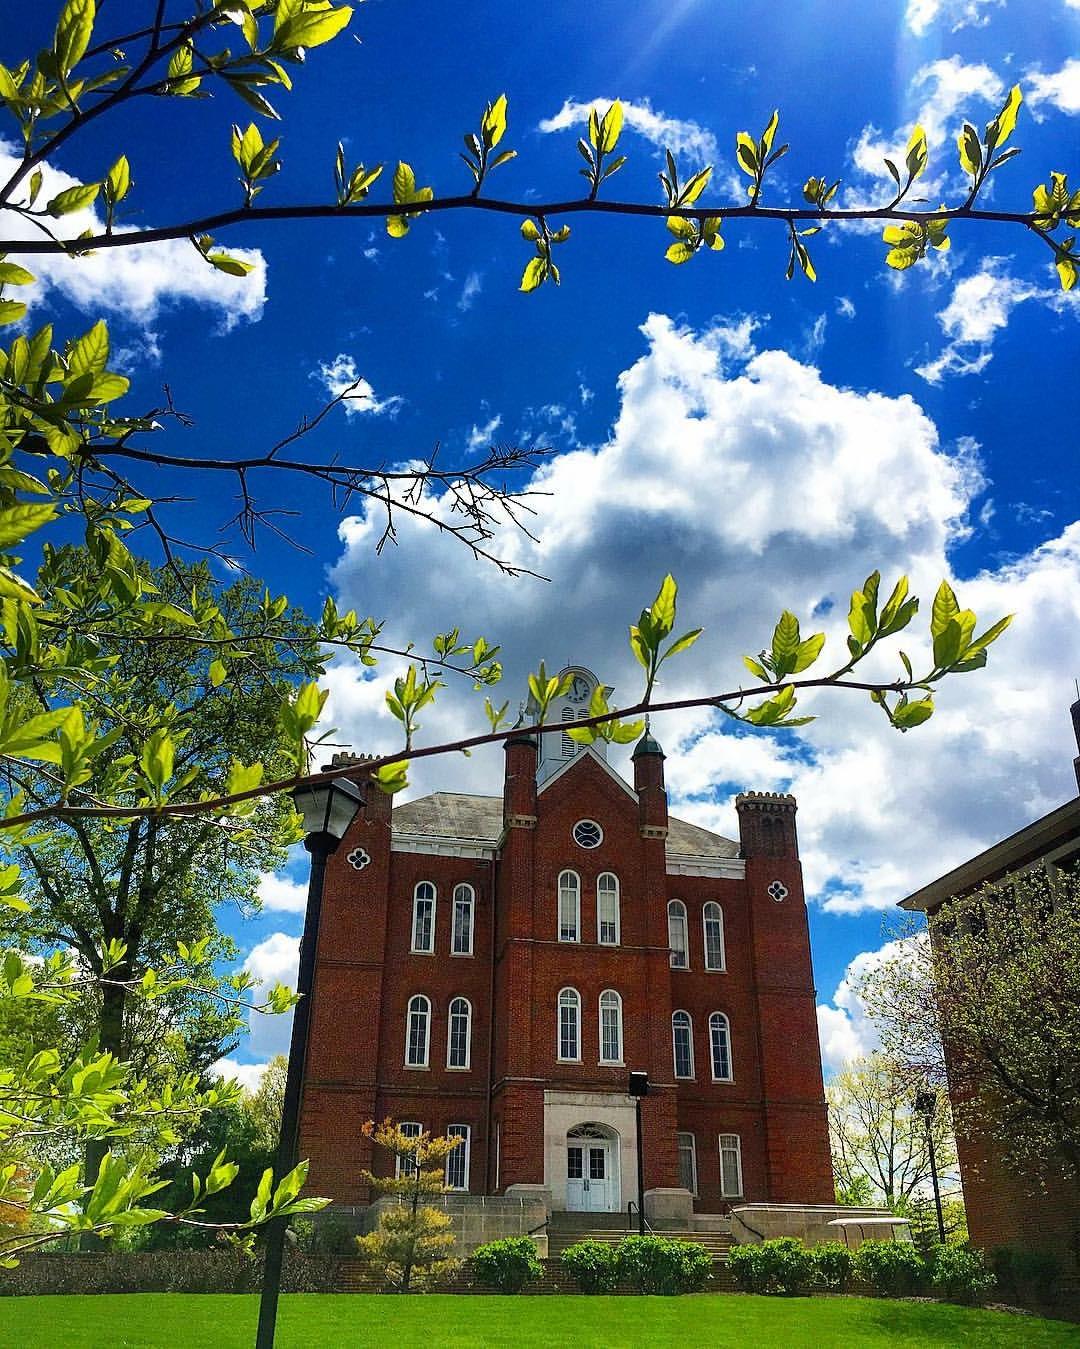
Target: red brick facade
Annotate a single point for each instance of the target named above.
(367, 972)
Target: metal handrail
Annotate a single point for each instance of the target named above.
(630, 1207)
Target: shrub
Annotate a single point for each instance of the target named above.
(660, 1265)
(593, 1265)
(958, 1273)
(1029, 1276)
(832, 1262)
(507, 1265)
(782, 1265)
(892, 1268)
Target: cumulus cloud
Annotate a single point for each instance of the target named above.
(845, 1030)
(1060, 88)
(272, 961)
(978, 312)
(672, 133)
(139, 282)
(922, 15)
(760, 485)
(249, 1075)
(473, 285)
(479, 437)
(342, 379)
(282, 894)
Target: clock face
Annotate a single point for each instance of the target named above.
(579, 690)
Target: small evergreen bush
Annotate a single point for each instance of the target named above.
(832, 1262)
(593, 1266)
(891, 1268)
(660, 1265)
(959, 1274)
(781, 1265)
(508, 1265)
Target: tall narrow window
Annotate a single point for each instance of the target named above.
(569, 906)
(676, 927)
(498, 1153)
(688, 1162)
(569, 1025)
(423, 917)
(566, 745)
(730, 1166)
(720, 1042)
(611, 1050)
(457, 1162)
(406, 1165)
(607, 909)
(682, 1038)
(462, 941)
(459, 1034)
(712, 917)
(417, 1032)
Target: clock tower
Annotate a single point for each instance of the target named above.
(556, 750)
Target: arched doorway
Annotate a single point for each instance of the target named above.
(592, 1169)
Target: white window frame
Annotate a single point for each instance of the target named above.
(413, 1128)
(692, 1149)
(608, 994)
(498, 1153)
(717, 917)
(680, 1012)
(677, 909)
(567, 747)
(418, 899)
(726, 1190)
(573, 999)
(462, 891)
(463, 1131)
(614, 890)
(409, 1013)
(576, 889)
(722, 1019)
(459, 1067)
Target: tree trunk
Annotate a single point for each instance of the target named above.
(110, 1041)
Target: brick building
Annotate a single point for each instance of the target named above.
(495, 967)
(1041, 1212)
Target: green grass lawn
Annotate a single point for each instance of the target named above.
(225, 1321)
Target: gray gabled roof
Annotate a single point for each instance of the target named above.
(458, 815)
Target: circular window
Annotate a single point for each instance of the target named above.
(588, 834)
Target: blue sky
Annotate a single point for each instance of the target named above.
(771, 442)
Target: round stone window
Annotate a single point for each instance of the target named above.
(588, 834)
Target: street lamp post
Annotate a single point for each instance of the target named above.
(327, 810)
(637, 1088)
(926, 1106)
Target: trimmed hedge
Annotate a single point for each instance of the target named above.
(508, 1265)
(891, 1268)
(217, 1271)
(833, 1262)
(959, 1273)
(593, 1265)
(660, 1265)
(782, 1265)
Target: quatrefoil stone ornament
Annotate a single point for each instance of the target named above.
(358, 859)
(778, 891)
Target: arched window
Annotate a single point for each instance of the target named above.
(611, 1050)
(682, 1040)
(461, 942)
(459, 1034)
(417, 1032)
(570, 1025)
(720, 1044)
(569, 906)
(423, 917)
(712, 917)
(676, 927)
(607, 909)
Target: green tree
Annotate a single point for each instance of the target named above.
(413, 1241)
(998, 984)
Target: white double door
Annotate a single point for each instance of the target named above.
(590, 1179)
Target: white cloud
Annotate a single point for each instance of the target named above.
(340, 375)
(845, 1030)
(921, 15)
(249, 1075)
(480, 436)
(272, 961)
(671, 133)
(978, 311)
(138, 282)
(473, 285)
(282, 894)
(1060, 89)
(761, 486)
(845, 307)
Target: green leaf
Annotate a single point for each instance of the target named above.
(746, 152)
(16, 522)
(231, 266)
(75, 198)
(808, 652)
(530, 230)
(945, 609)
(1001, 128)
(785, 643)
(917, 154)
(970, 149)
(392, 777)
(404, 184)
(684, 643)
(907, 715)
(535, 271)
(757, 669)
(679, 253)
(157, 758)
(89, 353)
(610, 128)
(311, 28)
(118, 179)
(990, 635)
(662, 609)
(769, 133)
(493, 124)
(11, 274)
(216, 673)
(73, 30)
(11, 311)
